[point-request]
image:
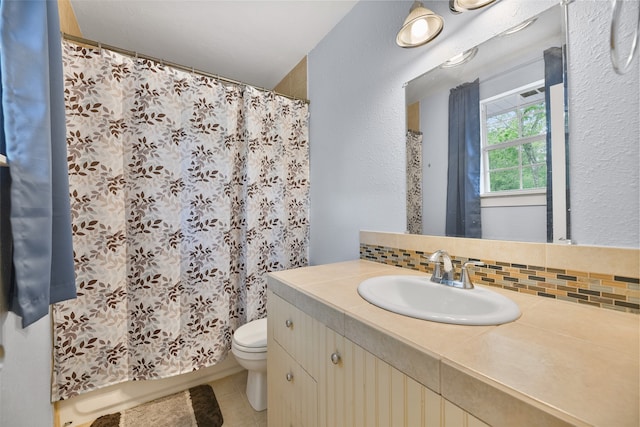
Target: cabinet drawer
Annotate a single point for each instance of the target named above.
(296, 332)
(292, 392)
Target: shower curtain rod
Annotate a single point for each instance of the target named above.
(130, 53)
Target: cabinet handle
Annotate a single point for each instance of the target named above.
(288, 323)
(289, 376)
(335, 358)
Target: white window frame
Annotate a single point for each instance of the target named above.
(527, 197)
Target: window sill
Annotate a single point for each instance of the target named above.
(514, 198)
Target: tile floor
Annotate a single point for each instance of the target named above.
(236, 411)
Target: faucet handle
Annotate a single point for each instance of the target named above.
(464, 275)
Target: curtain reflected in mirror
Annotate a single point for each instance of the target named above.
(414, 182)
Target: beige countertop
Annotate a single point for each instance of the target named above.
(559, 364)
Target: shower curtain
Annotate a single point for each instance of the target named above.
(184, 194)
(414, 182)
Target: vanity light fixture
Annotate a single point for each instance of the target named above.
(461, 58)
(459, 6)
(519, 27)
(420, 27)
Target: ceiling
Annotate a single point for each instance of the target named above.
(256, 42)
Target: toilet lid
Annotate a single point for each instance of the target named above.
(252, 334)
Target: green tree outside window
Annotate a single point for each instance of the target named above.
(515, 144)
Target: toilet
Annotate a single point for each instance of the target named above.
(249, 346)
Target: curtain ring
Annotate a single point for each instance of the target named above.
(615, 61)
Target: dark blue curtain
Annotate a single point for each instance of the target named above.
(553, 74)
(463, 185)
(37, 253)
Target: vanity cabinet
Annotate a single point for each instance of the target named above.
(292, 395)
(319, 377)
(292, 392)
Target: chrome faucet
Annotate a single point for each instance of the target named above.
(447, 265)
(442, 261)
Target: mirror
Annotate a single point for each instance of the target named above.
(519, 172)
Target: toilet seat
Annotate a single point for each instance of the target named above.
(251, 337)
(244, 349)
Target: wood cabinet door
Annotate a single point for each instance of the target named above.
(292, 392)
(356, 389)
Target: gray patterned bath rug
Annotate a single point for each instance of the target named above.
(196, 407)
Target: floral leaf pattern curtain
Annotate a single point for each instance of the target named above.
(414, 182)
(184, 194)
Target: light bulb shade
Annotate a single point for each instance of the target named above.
(457, 6)
(420, 27)
(519, 27)
(460, 59)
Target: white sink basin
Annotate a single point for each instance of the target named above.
(417, 296)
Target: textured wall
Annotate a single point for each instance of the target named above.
(605, 130)
(356, 77)
(357, 129)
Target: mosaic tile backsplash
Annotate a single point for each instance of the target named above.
(599, 290)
